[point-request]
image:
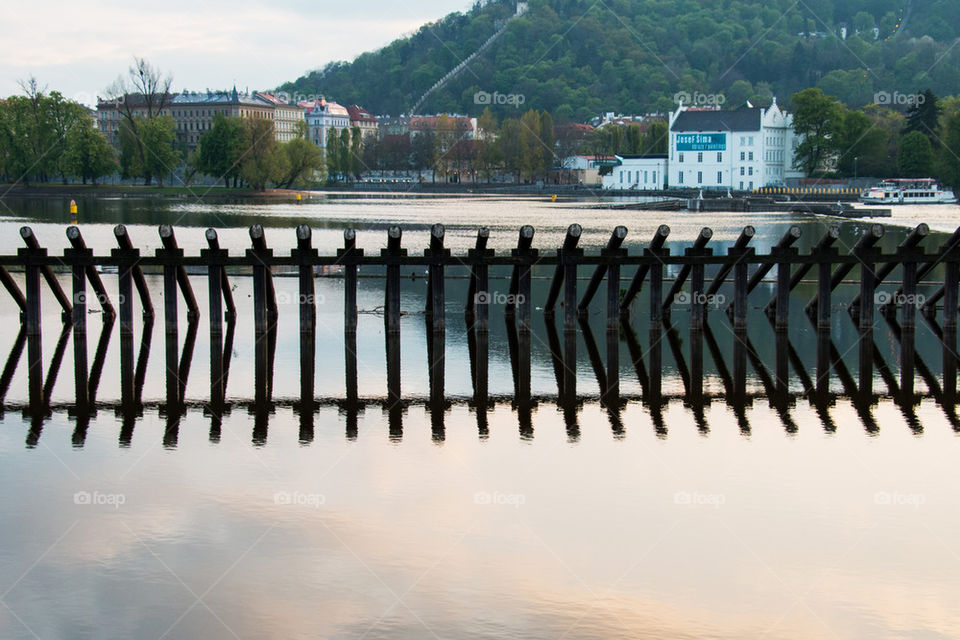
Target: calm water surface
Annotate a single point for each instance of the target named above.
(701, 520)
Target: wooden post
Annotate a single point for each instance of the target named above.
(31, 241)
(215, 257)
(869, 238)
(637, 282)
(823, 295)
(131, 258)
(822, 247)
(436, 302)
(347, 257)
(697, 296)
(616, 239)
(392, 302)
(128, 257)
(569, 244)
(172, 338)
(905, 248)
(696, 250)
(524, 243)
(478, 293)
(786, 241)
(260, 314)
(80, 371)
(737, 250)
(76, 240)
(569, 259)
(11, 286)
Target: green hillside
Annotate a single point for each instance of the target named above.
(577, 58)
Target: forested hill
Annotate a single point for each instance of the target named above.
(577, 58)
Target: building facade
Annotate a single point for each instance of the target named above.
(324, 117)
(742, 149)
(364, 120)
(637, 173)
(287, 118)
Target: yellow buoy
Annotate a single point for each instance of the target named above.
(298, 198)
(73, 208)
(554, 198)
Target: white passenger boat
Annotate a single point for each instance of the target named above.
(908, 191)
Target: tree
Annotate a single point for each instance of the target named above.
(356, 152)
(88, 155)
(304, 161)
(915, 156)
(861, 145)
(949, 165)
(924, 116)
(421, 151)
(141, 96)
(147, 148)
(548, 150)
(817, 119)
(343, 151)
(332, 156)
(510, 147)
(219, 149)
(262, 160)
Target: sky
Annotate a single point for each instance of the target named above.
(80, 48)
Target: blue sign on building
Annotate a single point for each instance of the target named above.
(701, 142)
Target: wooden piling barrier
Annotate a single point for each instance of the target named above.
(736, 251)
(262, 286)
(823, 251)
(523, 250)
(478, 291)
(613, 244)
(698, 249)
(569, 244)
(916, 236)
(80, 251)
(34, 250)
(656, 244)
(869, 238)
(130, 267)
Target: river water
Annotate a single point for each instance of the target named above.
(686, 520)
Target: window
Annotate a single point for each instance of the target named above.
(750, 171)
(743, 156)
(654, 177)
(719, 156)
(680, 158)
(621, 177)
(742, 171)
(719, 177)
(680, 178)
(743, 141)
(700, 157)
(646, 175)
(751, 185)
(629, 173)
(741, 185)
(699, 177)
(750, 156)
(751, 141)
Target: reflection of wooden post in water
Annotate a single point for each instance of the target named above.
(10, 367)
(949, 341)
(782, 369)
(262, 280)
(654, 250)
(740, 366)
(696, 364)
(352, 392)
(655, 350)
(478, 346)
(436, 355)
(823, 364)
(55, 363)
(394, 399)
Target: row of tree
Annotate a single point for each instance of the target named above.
(45, 137)
(876, 141)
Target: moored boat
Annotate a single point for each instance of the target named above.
(908, 191)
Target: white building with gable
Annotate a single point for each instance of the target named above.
(741, 149)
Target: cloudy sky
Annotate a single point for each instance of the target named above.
(79, 48)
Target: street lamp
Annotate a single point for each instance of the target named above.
(855, 161)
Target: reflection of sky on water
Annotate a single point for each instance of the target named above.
(611, 534)
(599, 545)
